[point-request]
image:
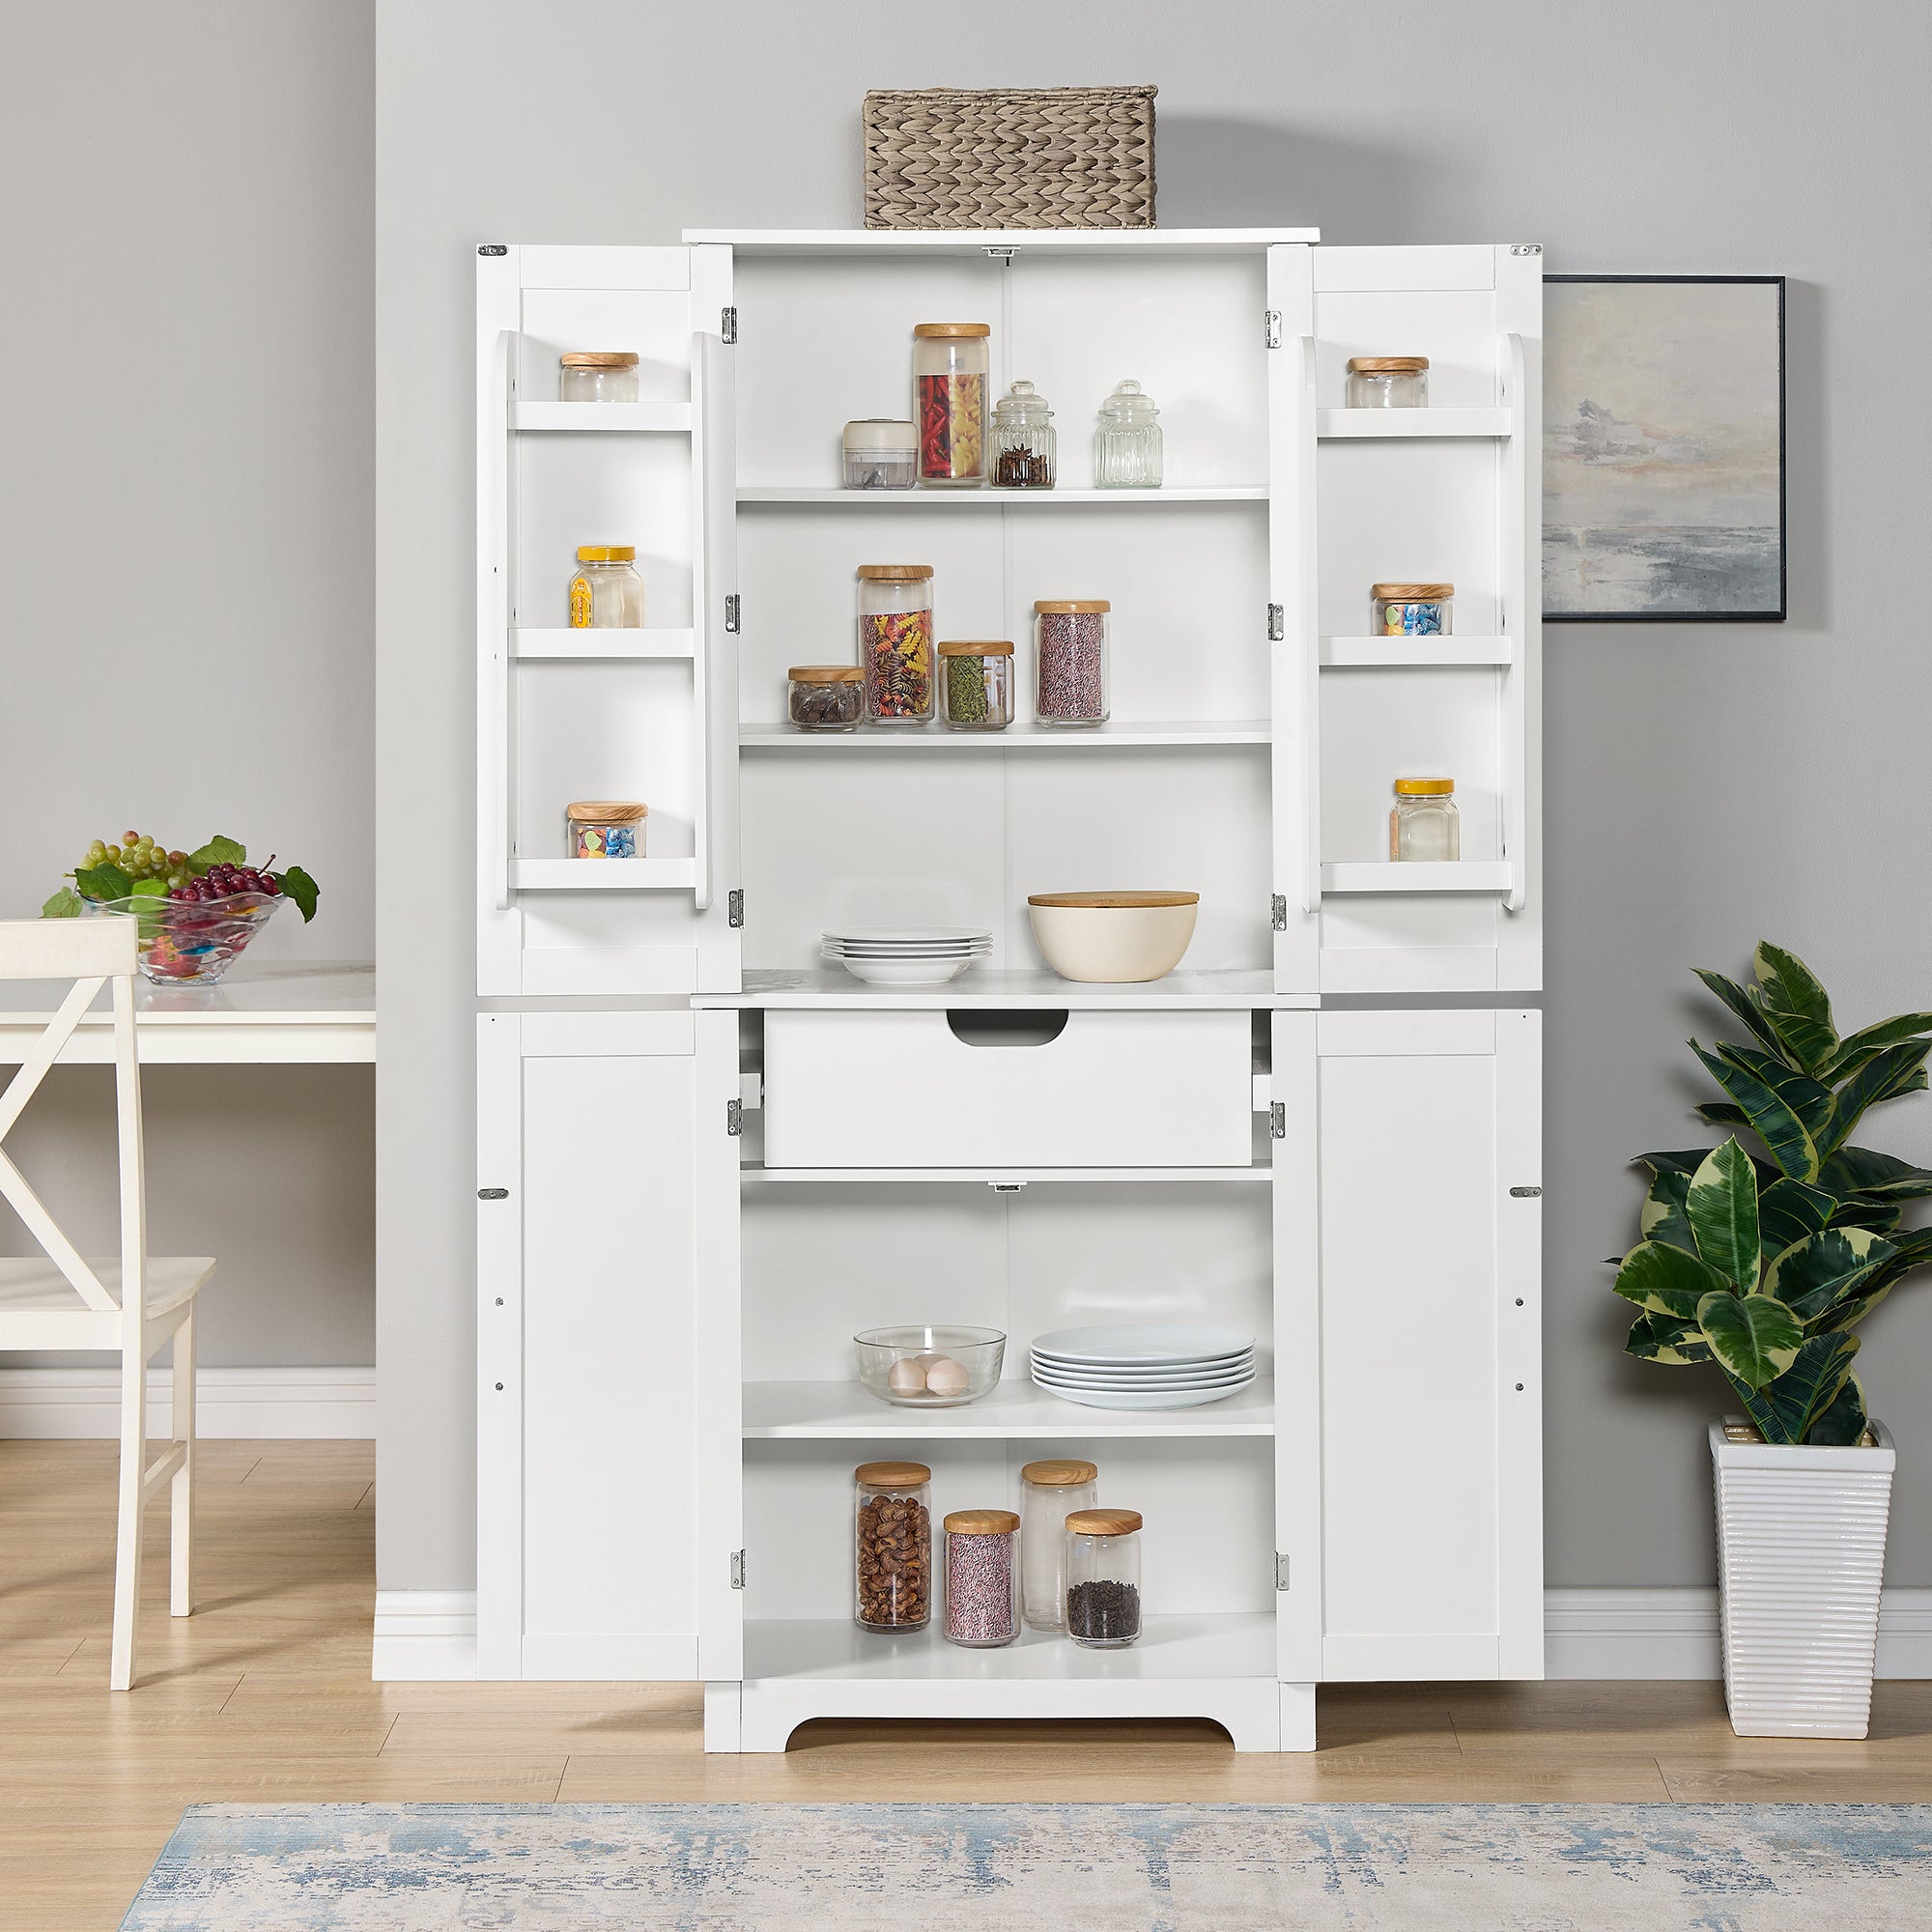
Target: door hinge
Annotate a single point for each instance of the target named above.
(1525, 247)
(1273, 321)
(732, 607)
(735, 907)
(1526, 1193)
(492, 1194)
(1278, 1119)
(728, 325)
(737, 1569)
(1280, 1570)
(1277, 623)
(734, 1117)
(1278, 912)
(492, 248)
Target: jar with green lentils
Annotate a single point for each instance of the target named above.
(976, 686)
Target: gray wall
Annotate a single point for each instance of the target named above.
(1706, 785)
(185, 575)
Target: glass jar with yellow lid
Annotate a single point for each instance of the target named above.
(606, 593)
(1424, 825)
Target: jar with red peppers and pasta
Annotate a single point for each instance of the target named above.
(950, 362)
(895, 641)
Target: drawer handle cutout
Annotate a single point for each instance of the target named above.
(974, 1026)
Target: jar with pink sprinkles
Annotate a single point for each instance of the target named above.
(1069, 642)
(983, 1578)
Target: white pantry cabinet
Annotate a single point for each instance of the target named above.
(705, 1160)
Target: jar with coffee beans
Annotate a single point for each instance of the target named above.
(892, 1546)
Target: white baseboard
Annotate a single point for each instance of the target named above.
(1674, 1633)
(296, 1405)
(425, 1636)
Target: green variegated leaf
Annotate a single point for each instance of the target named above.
(1666, 1281)
(1686, 1163)
(1878, 1177)
(1676, 1344)
(1882, 1217)
(1805, 1043)
(1840, 1424)
(1723, 1113)
(1754, 1338)
(1786, 1409)
(1895, 1070)
(1884, 1033)
(1912, 1248)
(1808, 1098)
(1790, 986)
(1810, 1276)
(1741, 1004)
(1662, 1218)
(1790, 1146)
(1787, 1210)
(1720, 1202)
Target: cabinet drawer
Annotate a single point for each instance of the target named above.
(966, 1087)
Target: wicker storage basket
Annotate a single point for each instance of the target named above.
(1010, 157)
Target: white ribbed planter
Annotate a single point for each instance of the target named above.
(1801, 1556)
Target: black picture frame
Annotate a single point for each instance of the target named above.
(1776, 616)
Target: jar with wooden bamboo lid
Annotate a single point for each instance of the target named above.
(606, 828)
(1411, 610)
(892, 1546)
(983, 1577)
(1070, 643)
(825, 698)
(950, 364)
(1050, 1492)
(597, 376)
(976, 684)
(895, 641)
(1388, 382)
(1103, 1578)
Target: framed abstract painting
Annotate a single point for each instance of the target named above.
(1663, 450)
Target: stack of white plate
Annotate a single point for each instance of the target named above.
(1144, 1365)
(925, 955)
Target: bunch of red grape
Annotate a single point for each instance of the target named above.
(224, 881)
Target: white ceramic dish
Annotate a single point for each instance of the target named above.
(1139, 1342)
(1230, 1374)
(885, 952)
(905, 972)
(1116, 938)
(1147, 1398)
(938, 935)
(1151, 1365)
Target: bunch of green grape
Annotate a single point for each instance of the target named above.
(140, 858)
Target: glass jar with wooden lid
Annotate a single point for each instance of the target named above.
(976, 684)
(895, 641)
(1070, 643)
(606, 828)
(1425, 827)
(1103, 1578)
(892, 1546)
(950, 364)
(825, 698)
(1388, 382)
(1050, 1492)
(1411, 610)
(983, 1577)
(597, 376)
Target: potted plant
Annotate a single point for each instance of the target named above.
(1764, 1260)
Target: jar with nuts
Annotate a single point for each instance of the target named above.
(892, 1546)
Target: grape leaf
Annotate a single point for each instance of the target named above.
(300, 887)
(149, 889)
(102, 882)
(220, 850)
(65, 904)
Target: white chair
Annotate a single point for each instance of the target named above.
(132, 1305)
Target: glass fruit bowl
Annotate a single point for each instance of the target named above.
(190, 942)
(929, 1367)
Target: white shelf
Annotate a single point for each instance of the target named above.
(812, 492)
(613, 646)
(1241, 1645)
(1351, 653)
(991, 1177)
(832, 986)
(1333, 424)
(1120, 734)
(624, 418)
(1385, 876)
(971, 242)
(843, 1410)
(602, 875)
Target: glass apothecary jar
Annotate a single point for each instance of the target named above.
(1022, 440)
(976, 684)
(1103, 1578)
(1049, 1493)
(1128, 444)
(1388, 382)
(892, 1546)
(1411, 610)
(825, 698)
(597, 376)
(1069, 640)
(1425, 826)
(983, 1578)
(895, 641)
(606, 593)
(881, 454)
(950, 361)
(606, 828)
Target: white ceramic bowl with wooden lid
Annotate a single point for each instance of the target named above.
(1122, 938)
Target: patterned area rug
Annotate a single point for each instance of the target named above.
(1043, 1868)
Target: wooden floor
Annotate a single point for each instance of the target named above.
(264, 1696)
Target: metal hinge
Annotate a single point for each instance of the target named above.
(1278, 1119)
(728, 325)
(1278, 912)
(1005, 1186)
(1272, 320)
(731, 611)
(1526, 1193)
(735, 907)
(734, 1117)
(492, 1194)
(737, 1569)
(1277, 623)
(1280, 1570)
(1525, 247)
(492, 248)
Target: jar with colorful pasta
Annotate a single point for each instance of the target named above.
(895, 641)
(950, 362)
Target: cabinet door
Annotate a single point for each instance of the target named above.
(589, 1402)
(647, 713)
(1412, 1431)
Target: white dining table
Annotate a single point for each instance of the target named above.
(275, 1013)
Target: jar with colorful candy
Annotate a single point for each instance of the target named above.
(950, 361)
(895, 641)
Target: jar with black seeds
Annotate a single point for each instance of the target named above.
(1103, 1578)
(976, 684)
